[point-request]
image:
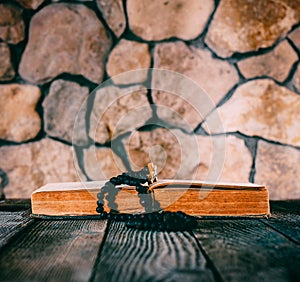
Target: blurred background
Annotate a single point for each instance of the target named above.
(244, 54)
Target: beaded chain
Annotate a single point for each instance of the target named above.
(160, 221)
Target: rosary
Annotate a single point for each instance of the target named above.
(154, 218)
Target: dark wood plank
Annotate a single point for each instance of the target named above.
(134, 255)
(53, 251)
(248, 250)
(11, 223)
(290, 206)
(285, 218)
(15, 204)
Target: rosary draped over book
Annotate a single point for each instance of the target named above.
(144, 202)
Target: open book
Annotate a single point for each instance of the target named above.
(192, 197)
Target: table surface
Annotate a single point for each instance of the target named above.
(97, 250)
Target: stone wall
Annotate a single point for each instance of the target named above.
(244, 54)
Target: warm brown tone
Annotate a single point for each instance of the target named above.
(18, 119)
(243, 26)
(263, 108)
(127, 56)
(201, 199)
(283, 57)
(63, 103)
(11, 24)
(157, 20)
(6, 69)
(70, 39)
(244, 54)
(36, 163)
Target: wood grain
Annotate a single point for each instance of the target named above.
(15, 204)
(222, 250)
(53, 251)
(287, 207)
(133, 255)
(248, 250)
(11, 223)
(285, 218)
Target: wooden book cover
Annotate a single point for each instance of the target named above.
(192, 197)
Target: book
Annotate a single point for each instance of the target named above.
(195, 198)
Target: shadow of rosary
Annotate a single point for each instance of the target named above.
(154, 217)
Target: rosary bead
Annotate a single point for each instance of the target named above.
(132, 182)
(115, 217)
(113, 180)
(160, 221)
(123, 217)
(126, 181)
(99, 209)
(141, 189)
(103, 215)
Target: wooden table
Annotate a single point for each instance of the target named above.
(95, 250)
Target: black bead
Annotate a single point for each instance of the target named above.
(160, 221)
(103, 215)
(114, 217)
(99, 209)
